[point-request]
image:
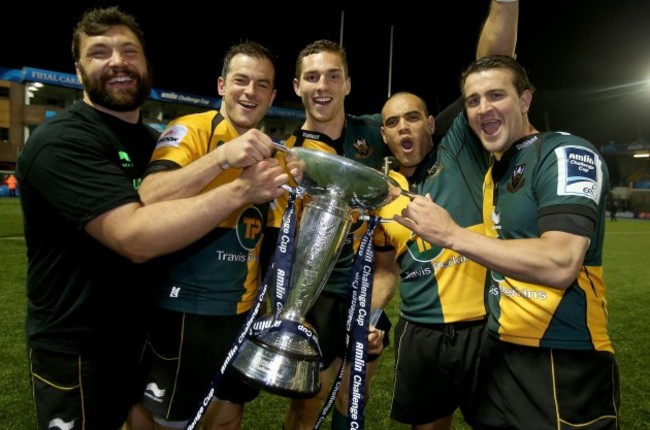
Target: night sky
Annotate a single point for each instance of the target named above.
(587, 59)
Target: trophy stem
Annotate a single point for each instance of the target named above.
(287, 362)
(324, 225)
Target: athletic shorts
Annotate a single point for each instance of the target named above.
(328, 316)
(435, 369)
(77, 391)
(547, 389)
(183, 355)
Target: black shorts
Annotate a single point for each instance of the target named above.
(183, 355)
(328, 316)
(71, 391)
(435, 369)
(542, 388)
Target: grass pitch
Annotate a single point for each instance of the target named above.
(627, 274)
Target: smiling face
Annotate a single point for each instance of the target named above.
(247, 91)
(495, 110)
(322, 85)
(407, 129)
(114, 71)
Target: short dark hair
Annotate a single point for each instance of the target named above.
(322, 45)
(519, 73)
(98, 21)
(424, 106)
(250, 49)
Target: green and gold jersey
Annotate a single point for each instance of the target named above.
(438, 285)
(219, 274)
(560, 177)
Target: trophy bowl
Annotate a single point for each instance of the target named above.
(362, 187)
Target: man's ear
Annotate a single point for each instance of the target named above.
(78, 72)
(296, 87)
(525, 100)
(221, 86)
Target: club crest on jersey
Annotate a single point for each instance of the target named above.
(362, 148)
(435, 170)
(517, 181)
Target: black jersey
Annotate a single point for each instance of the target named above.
(75, 167)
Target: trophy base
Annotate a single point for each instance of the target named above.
(266, 362)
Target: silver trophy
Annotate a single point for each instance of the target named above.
(286, 362)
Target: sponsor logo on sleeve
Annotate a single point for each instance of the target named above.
(579, 172)
(172, 136)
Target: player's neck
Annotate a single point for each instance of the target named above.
(132, 116)
(333, 128)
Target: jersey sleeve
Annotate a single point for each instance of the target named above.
(569, 174)
(82, 181)
(183, 141)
